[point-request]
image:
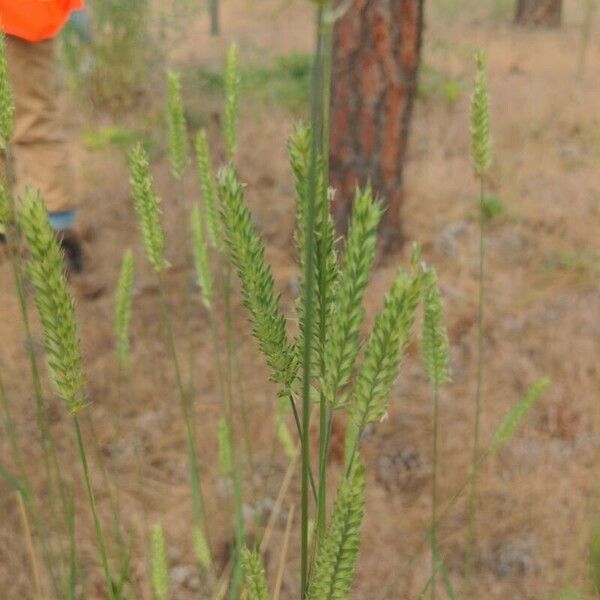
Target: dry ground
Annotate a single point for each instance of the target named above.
(540, 496)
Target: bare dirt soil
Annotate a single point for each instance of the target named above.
(538, 498)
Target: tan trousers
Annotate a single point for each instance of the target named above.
(39, 145)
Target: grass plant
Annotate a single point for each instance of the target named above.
(331, 362)
(481, 150)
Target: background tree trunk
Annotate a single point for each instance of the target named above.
(539, 12)
(376, 53)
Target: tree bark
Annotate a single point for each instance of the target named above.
(376, 55)
(546, 13)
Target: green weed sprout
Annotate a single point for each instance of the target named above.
(54, 303)
(159, 563)
(124, 298)
(177, 131)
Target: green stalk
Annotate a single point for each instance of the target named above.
(309, 279)
(199, 512)
(325, 416)
(213, 7)
(434, 492)
(227, 405)
(113, 499)
(472, 527)
(92, 500)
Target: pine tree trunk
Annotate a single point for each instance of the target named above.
(376, 55)
(547, 13)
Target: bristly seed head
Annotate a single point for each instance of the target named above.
(147, 206)
(480, 120)
(54, 302)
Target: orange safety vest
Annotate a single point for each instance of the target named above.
(35, 20)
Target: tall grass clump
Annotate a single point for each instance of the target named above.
(481, 150)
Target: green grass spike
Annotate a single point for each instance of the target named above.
(147, 206)
(159, 563)
(54, 302)
(209, 190)
(7, 108)
(338, 550)
(384, 350)
(258, 288)
(124, 297)
(232, 92)
(325, 259)
(177, 130)
(517, 413)
(201, 260)
(480, 119)
(255, 581)
(342, 345)
(435, 336)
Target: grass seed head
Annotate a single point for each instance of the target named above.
(178, 142)
(480, 119)
(147, 206)
(54, 302)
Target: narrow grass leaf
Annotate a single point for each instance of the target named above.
(13, 482)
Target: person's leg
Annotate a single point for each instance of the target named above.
(39, 145)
